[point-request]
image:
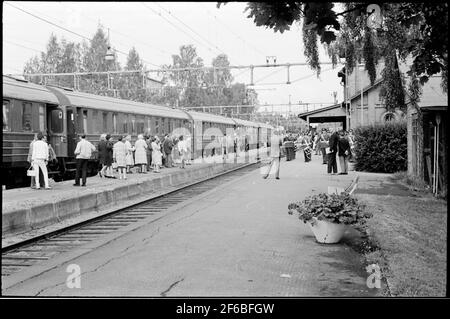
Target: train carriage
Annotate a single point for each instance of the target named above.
(63, 114)
(25, 112)
(209, 131)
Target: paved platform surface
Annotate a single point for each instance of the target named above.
(25, 210)
(235, 240)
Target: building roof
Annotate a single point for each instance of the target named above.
(303, 116)
(367, 88)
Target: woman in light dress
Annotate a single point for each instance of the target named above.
(140, 154)
(119, 156)
(129, 158)
(156, 154)
(182, 149)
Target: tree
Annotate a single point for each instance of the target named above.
(423, 26)
(188, 82)
(94, 61)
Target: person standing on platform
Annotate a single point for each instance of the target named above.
(141, 153)
(156, 154)
(30, 153)
(108, 153)
(102, 155)
(167, 148)
(305, 145)
(182, 149)
(189, 149)
(333, 145)
(148, 140)
(275, 154)
(344, 152)
(323, 144)
(83, 153)
(120, 152)
(39, 159)
(129, 154)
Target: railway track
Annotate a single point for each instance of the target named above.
(25, 254)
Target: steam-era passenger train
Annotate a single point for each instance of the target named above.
(64, 113)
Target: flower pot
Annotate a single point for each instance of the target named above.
(327, 232)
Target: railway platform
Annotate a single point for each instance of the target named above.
(27, 213)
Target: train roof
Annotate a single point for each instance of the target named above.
(246, 123)
(208, 117)
(100, 102)
(24, 90)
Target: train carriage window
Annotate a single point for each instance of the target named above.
(115, 122)
(95, 124)
(105, 122)
(56, 117)
(6, 115)
(26, 117)
(124, 123)
(85, 116)
(133, 124)
(41, 117)
(156, 126)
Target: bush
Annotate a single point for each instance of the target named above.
(339, 209)
(381, 148)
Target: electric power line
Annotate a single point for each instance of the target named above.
(200, 36)
(67, 30)
(19, 45)
(168, 21)
(235, 34)
(127, 36)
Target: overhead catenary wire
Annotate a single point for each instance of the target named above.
(67, 30)
(235, 34)
(196, 33)
(174, 25)
(23, 46)
(162, 51)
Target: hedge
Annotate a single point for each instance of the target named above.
(381, 148)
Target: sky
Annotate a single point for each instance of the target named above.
(157, 30)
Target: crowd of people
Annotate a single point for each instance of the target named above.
(148, 153)
(326, 142)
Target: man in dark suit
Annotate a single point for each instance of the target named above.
(333, 145)
(167, 148)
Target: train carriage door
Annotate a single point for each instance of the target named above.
(55, 129)
(71, 133)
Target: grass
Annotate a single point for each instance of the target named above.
(407, 239)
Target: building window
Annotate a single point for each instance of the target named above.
(26, 116)
(365, 99)
(41, 118)
(388, 117)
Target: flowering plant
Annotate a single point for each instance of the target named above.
(336, 208)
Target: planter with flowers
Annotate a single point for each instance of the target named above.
(329, 215)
